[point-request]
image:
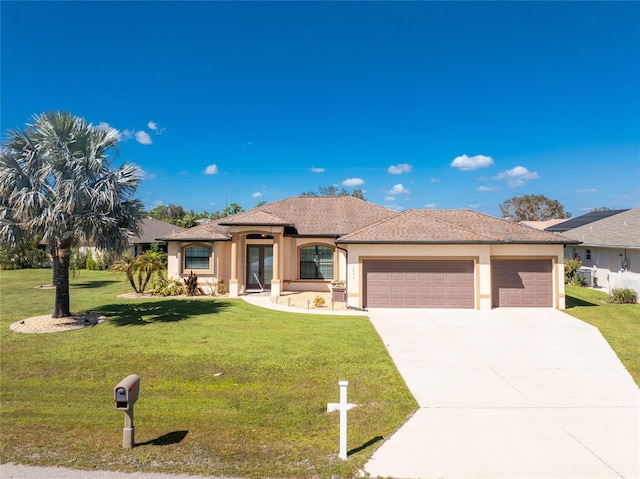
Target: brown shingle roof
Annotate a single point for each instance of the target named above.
(254, 217)
(327, 216)
(449, 226)
(204, 232)
(309, 216)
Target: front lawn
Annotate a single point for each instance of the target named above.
(227, 389)
(618, 323)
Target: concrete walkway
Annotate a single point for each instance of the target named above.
(263, 300)
(508, 393)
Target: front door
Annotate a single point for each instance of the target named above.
(259, 267)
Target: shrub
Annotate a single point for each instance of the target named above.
(91, 264)
(222, 287)
(78, 259)
(571, 267)
(168, 287)
(579, 281)
(191, 284)
(623, 296)
(318, 301)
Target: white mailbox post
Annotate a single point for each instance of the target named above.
(343, 419)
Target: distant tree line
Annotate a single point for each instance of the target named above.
(177, 215)
(333, 191)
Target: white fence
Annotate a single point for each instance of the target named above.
(624, 280)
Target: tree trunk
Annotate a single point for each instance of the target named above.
(61, 259)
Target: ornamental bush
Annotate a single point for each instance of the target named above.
(168, 287)
(623, 296)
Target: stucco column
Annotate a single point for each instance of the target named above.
(275, 281)
(483, 278)
(233, 281)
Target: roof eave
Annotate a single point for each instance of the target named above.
(284, 225)
(455, 242)
(193, 239)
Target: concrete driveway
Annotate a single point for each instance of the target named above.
(508, 393)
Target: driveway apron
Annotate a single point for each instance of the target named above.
(508, 393)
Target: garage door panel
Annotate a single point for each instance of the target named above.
(419, 284)
(522, 283)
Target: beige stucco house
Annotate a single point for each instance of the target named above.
(416, 258)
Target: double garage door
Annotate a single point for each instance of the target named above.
(419, 284)
(451, 284)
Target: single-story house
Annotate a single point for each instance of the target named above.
(609, 249)
(415, 258)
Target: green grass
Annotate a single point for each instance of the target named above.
(618, 323)
(263, 417)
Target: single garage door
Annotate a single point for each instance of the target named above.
(418, 284)
(522, 283)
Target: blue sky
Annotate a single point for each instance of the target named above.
(420, 104)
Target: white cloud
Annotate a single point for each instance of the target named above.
(157, 203)
(586, 190)
(430, 206)
(398, 189)
(257, 194)
(317, 170)
(475, 206)
(152, 126)
(389, 198)
(516, 176)
(143, 137)
(353, 182)
(126, 135)
(470, 163)
(488, 188)
(435, 180)
(211, 169)
(399, 169)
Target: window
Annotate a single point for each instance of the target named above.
(316, 262)
(588, 254)
(196, 257)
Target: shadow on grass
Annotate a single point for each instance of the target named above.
(162, 311)
(367, 444)
(573, 302)
(92, 284)
(166, 439)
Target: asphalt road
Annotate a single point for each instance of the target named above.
(14, 471)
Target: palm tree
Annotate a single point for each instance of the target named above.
(149, 263)
(56, 181)
(127, 265)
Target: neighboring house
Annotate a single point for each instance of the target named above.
(578, 221)
(610, 249)
(416, 258)
(151, 230)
